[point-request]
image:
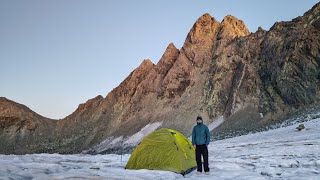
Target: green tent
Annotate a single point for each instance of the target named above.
(164, 149)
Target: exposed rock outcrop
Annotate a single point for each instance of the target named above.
(222, 70)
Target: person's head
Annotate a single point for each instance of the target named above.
(199, 120)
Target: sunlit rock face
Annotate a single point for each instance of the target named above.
(222, 71)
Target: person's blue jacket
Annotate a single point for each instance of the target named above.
(200, 135)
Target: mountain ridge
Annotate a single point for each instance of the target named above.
(222, 70)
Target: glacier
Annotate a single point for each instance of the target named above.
(282, 153)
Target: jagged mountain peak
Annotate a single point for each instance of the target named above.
(244, 83)
(203, 29)
(146, 65)
(171, 49)
(169, 56)
(199, 43)
(236, 23)
(171, 46)
(146, 62)
(232, 27)
(230, 18)
(139, 74)
(205, 17)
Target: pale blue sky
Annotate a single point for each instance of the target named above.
(59, 53)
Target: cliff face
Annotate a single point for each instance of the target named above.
(280, 73)
(222, 72)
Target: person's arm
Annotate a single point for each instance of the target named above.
(193, 137)
(207, 136)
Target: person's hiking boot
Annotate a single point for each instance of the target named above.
(198, 172)
(207, 173)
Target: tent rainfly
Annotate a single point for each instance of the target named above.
(164, 149)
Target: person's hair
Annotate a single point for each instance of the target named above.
(199, 117)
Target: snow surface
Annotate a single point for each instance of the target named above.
(283, 153)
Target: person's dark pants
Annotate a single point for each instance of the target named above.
(202, 150)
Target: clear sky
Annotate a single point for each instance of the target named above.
(57, 54)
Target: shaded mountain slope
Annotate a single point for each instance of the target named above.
(222, 71)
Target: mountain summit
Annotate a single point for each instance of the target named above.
(243, 80)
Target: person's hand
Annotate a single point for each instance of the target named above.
(194, 146)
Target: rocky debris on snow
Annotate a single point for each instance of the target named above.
(300, 127)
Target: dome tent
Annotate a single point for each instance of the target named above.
(164, 149)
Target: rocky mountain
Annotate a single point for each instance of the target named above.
(236, 79)
(21, 128)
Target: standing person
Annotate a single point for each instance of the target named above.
(200, 141)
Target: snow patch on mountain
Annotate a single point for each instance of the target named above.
(120, 143)
(109, 142)
(137, 137)
(216, 123)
